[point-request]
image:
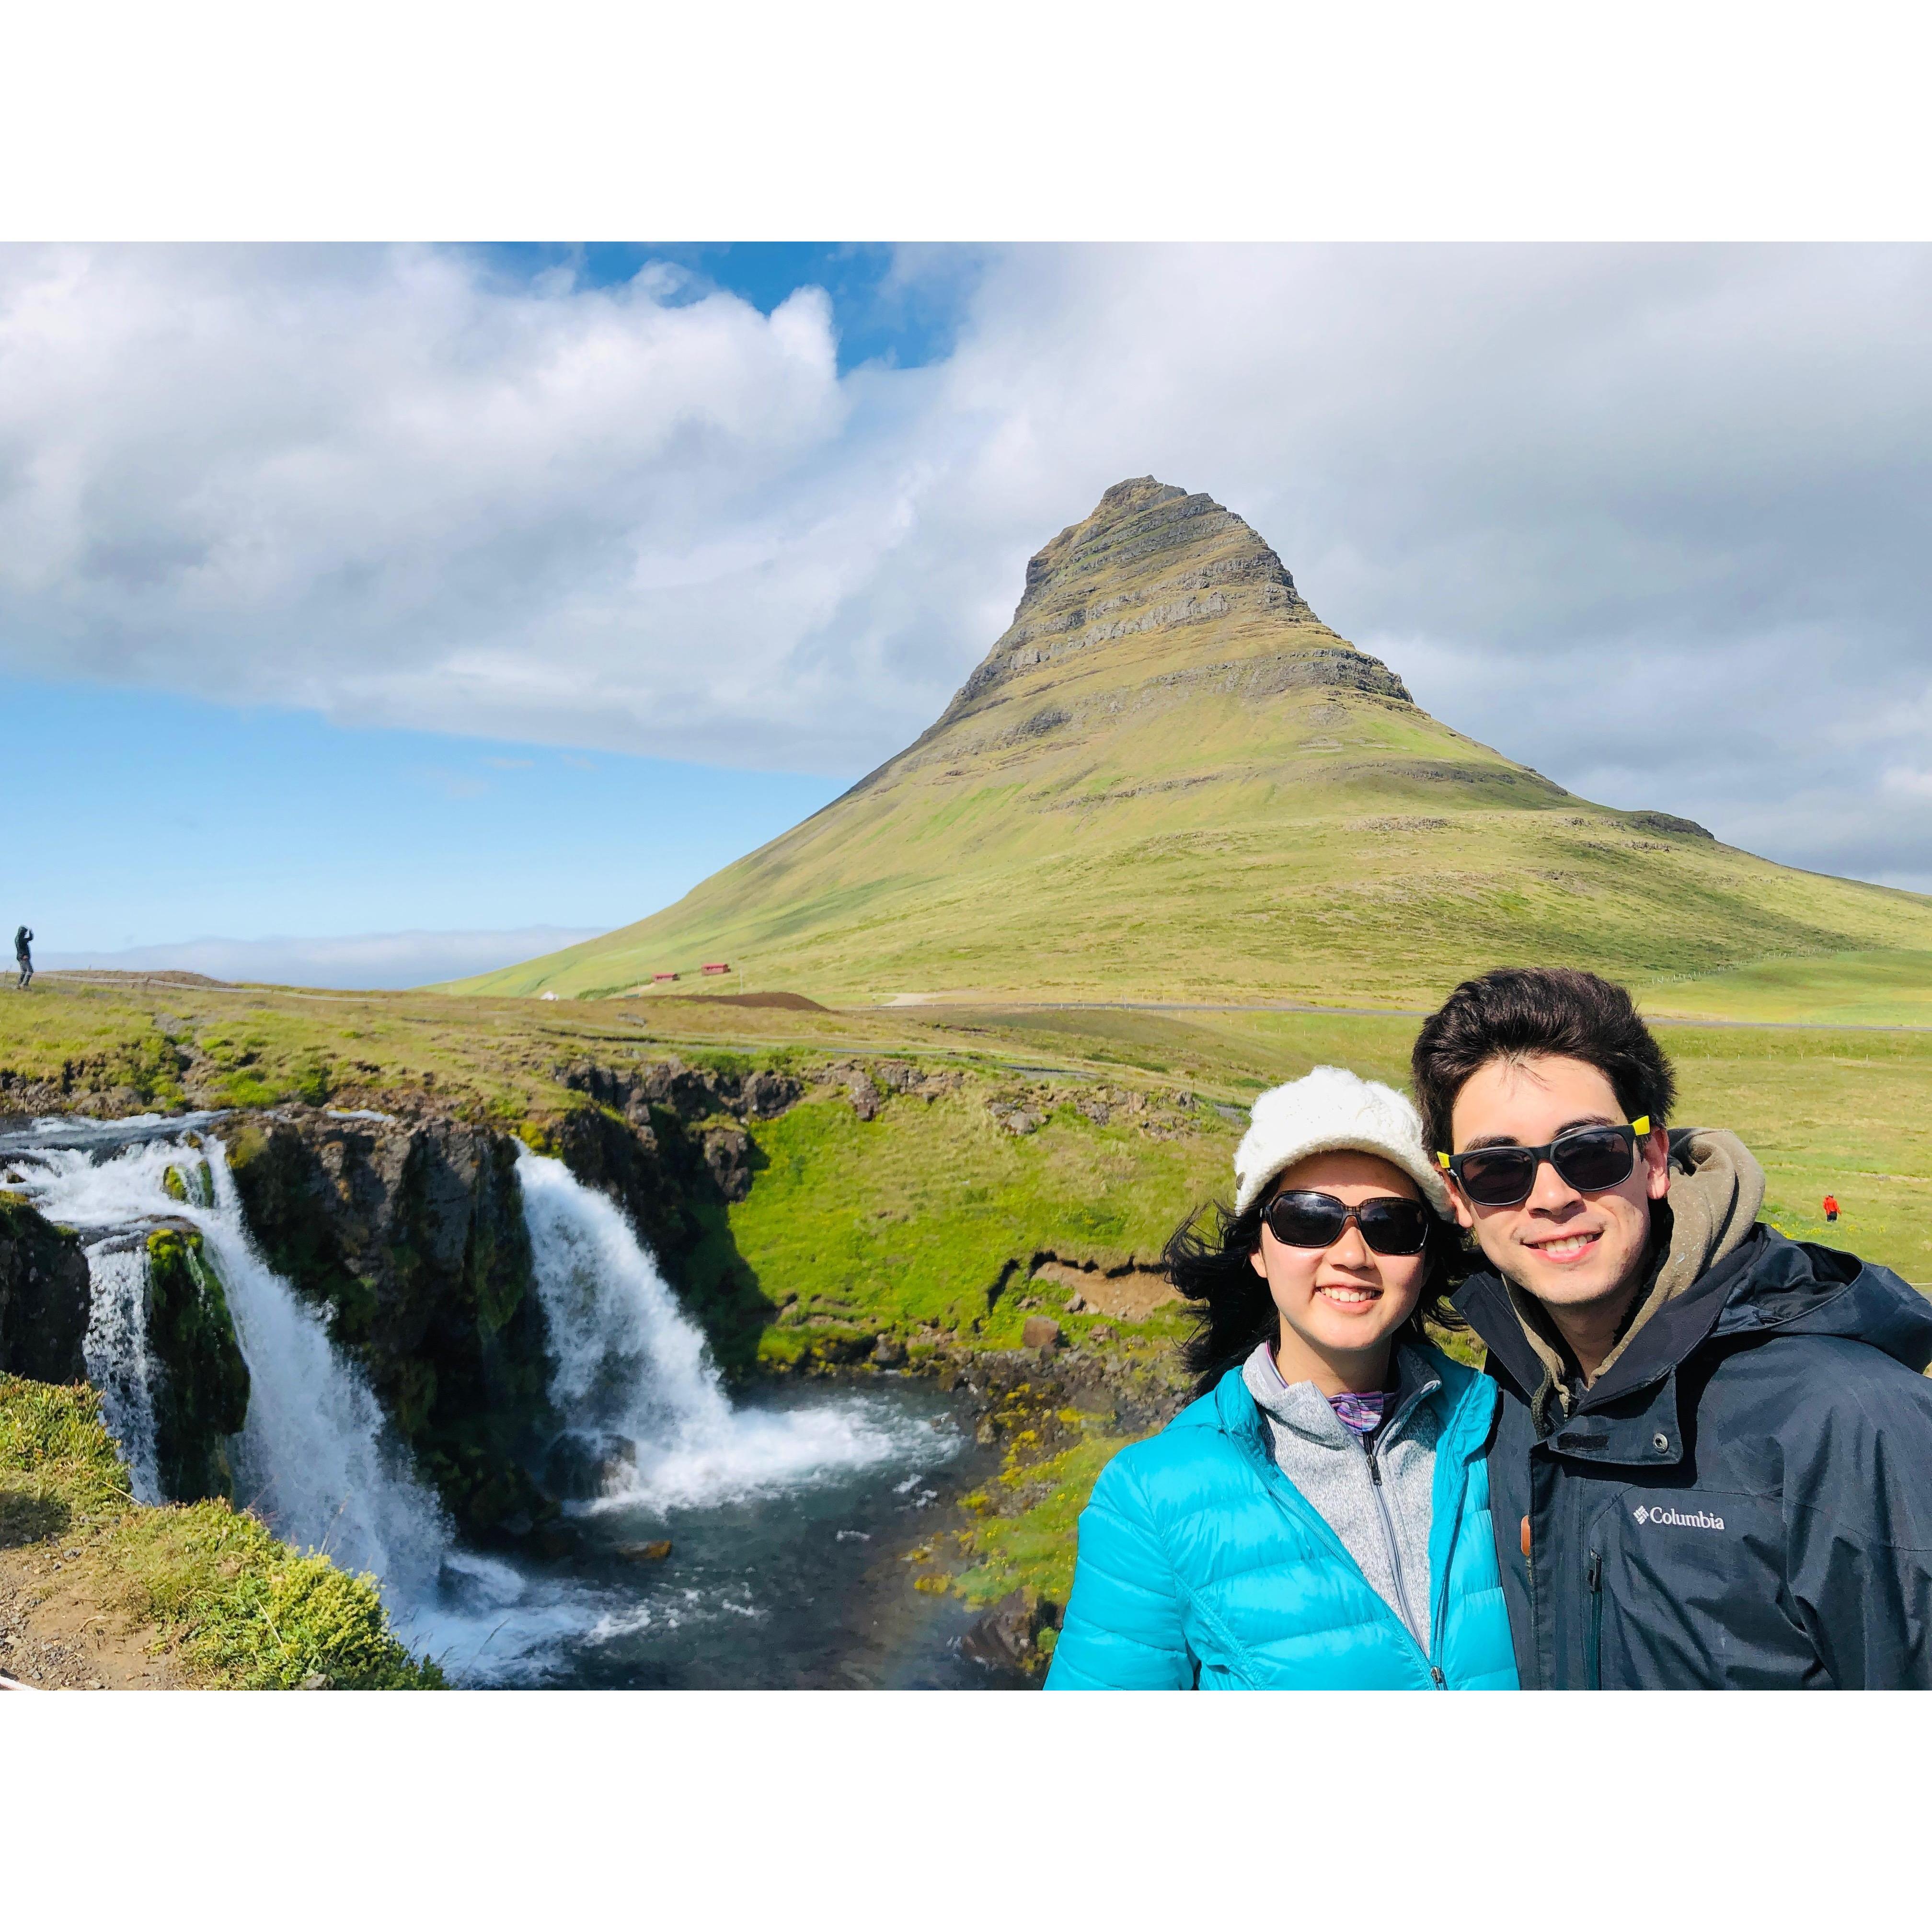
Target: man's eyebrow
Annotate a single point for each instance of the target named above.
(1568, 1126)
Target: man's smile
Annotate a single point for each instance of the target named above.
(1564, 1248)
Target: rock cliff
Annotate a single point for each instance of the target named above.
(44, 1296)
(408, 1231)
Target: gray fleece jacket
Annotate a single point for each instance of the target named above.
(1383, 1525)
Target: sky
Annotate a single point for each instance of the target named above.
(443, 600)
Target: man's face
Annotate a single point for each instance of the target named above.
(1569, 1249)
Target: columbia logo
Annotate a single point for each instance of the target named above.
(1697, 1519)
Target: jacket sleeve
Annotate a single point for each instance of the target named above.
(1122, 1630)
(1858, 1528)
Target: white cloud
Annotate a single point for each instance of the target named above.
(1652, 520)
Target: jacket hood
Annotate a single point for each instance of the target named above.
(1764, 1285)
(1798, 1287)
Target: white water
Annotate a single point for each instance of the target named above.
(118, 1364)
(630, 1364)
(315, 1460)
(312, 1459)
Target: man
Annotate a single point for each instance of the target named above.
(1712, 1466)
(23, 959)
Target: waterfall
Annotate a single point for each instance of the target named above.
(313, 1459)
(632, 1371)
(118, 1364)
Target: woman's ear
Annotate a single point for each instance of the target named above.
(1257, 1260)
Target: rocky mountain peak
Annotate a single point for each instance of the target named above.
(1149, 556)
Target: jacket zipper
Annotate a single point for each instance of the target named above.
(1593, 1640)
(1305, 1512)
(1395, 1563)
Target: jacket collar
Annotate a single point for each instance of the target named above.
(1465, 1400)
(1630, 1414)
(1302, 1409)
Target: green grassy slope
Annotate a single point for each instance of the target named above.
(904, 1222)
(1169, 780)
(208, 1587)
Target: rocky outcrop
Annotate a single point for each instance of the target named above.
(693, 1093)
(44, 1296)
(410, 1232)
(202, 1398)
(1150, 557)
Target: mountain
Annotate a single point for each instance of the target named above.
(1170, 780)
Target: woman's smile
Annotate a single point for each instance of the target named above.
(1344, 1296)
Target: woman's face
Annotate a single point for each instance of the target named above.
(1340, 1301)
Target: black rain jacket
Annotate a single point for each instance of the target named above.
(1742, 1500)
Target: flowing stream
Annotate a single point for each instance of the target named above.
(771, 1506)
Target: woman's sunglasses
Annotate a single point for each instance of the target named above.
(1298, 1217)
(1590, 1159)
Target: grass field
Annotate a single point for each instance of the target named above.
(922, 1222)
(1865, 989)
(907, 1214)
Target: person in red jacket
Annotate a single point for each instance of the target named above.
(1831, 1206)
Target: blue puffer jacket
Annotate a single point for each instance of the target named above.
(1202, 1566)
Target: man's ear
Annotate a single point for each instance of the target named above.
(1466, 1215)
(1657, 1158)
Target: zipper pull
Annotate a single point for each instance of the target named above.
(1593, 1574)
(1442, 1682)
(1375, 1470)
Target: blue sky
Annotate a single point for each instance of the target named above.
(350, 591)
(147, 819)
(901, 307)
(141, 818)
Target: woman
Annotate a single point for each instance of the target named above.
(1318, 1519)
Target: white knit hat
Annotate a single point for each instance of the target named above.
(1327, 1111)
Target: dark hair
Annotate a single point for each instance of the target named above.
(1234, 1309)
(1518, 1011)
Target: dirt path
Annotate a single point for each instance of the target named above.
(54, 1634)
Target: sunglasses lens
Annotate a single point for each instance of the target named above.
(1305, 1219)
(1594, 1157)
(1393, 1227)
(1498, 1176)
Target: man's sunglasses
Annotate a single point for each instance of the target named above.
(1298, 1217)
(1590, 1159)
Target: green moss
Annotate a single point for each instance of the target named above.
(202, 1398)
(930, 1213)
(1034, 1549)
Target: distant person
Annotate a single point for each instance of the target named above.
(1713, 1465)
(23, 957)
(1318, 1519)
(1831, 1206)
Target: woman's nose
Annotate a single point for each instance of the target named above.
(1349, 1249)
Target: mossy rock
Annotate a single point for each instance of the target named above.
(203, 1395)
